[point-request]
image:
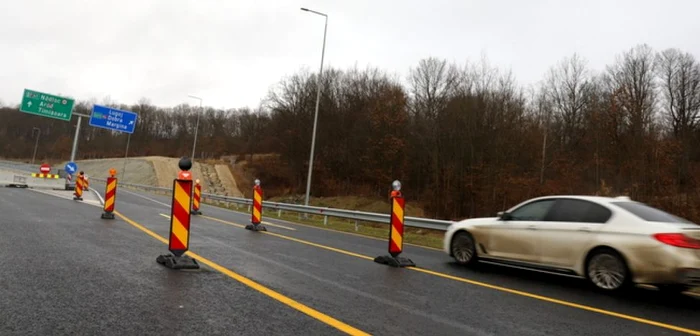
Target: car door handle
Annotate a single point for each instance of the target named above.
(532, 227)
(584, 229)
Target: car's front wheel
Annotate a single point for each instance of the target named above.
(607, 270)
(463, 248)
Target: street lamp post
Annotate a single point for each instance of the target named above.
(196, 127)
(36, 144)
(318, 100)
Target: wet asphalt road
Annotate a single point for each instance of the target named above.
(67, 272)
(137, 296)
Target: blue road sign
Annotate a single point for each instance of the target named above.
(71, 168)
(113, 119)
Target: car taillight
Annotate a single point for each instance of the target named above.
(678, 240)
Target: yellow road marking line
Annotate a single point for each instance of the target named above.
(499, 288)
(258, 287)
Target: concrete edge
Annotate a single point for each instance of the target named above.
(102, 200)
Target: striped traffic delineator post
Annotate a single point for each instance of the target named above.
(110, 195)
(398, 205)
(179, 241)
(197, 198)
(78, 193)
(256, 215)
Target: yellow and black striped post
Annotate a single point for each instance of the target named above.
(179, 242)
(396, 226)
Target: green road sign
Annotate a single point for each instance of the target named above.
(46, 105)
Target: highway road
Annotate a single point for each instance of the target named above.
(70, 271)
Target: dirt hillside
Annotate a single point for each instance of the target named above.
(160, 171)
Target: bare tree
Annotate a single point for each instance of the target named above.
(633, 76)
(569, 89)
(679, 74)
(431, 85)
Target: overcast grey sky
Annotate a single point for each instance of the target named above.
(231, 52)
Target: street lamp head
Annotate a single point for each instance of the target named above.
(313, 11)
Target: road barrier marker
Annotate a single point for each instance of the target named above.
(256, 214)
(197, 198)
(110, 195)
(78, 190)
(396, 221)
(179, 236)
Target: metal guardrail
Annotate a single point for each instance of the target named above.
(417, 222)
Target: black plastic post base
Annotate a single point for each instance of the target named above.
(107, 215)
(394, 261)
(77, 198)
(182, 262)
(255, 227)
(196, 212)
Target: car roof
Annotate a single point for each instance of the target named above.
(596, 199)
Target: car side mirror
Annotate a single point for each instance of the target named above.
(504, 215)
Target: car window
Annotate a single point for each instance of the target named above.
(580, 211)
(535, 211)
(650, 214)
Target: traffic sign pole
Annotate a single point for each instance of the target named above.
(126, 154)
(75, 140)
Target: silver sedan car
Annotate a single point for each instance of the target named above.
(612, 242)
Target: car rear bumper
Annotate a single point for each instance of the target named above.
(667, 265)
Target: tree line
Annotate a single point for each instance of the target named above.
(465, 139)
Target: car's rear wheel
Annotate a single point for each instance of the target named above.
(607, 270)
(463, 248)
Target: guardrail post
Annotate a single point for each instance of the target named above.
(256, 216)
(179, 240)
(110, 195)
(396, 223)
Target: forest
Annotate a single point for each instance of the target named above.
(465, 140)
